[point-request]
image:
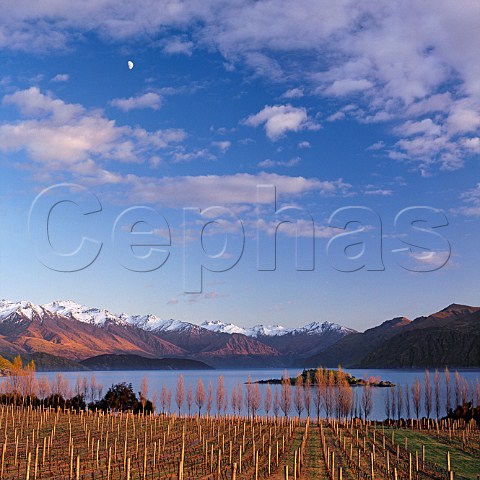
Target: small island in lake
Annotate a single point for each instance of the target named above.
(314, 376)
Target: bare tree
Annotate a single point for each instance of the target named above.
(220, 394)
(256, 399)
(319, 389)
(448, 390)
(209, 398)
(78, 386)
(464, 390)
(200, 396)
(248, 396)
(299, 395)
(344, 397)
(387, 404)
(143, 392)
(267, 404)
(457, 388)
(180, 392)
(190, 398)
(307, 394)
(367, 400)
(276, 402)
(43, 388)
(427, 394)
(93, 387)
(234, 399)
(169, 400)
(416, 396)
(240, 398)
(436, 387)
(286, 395)
(164, 398)
(407, 402)
(399, 402)
(393, 405)
(155, 399)
(329, 394)
(85, 387)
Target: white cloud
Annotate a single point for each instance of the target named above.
(377, 145)
(223, 146)
(304, 144)
(268, 163)
(59, 135)
(472, 199)
(175, 46)
(280, 119)
(241, 188)
(293, 93)
(347, 86)
(379, 191)
(61, 77)
(147, 100)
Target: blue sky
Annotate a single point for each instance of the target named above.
(360, 116)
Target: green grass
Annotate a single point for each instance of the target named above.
(462, 463)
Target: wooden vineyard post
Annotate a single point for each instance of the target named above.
(410, 466)
(128, 466)
(448, 461)
(285, 473)
(372, 464)
(36, 463)
(145, 461)
(219, 465)
(109, 462)
(3, 459)
(180, 470)
(29, 459)
(395, 473)
(294, 466)
(77, 470)
(332, 464)
(340, 473)
(269, 458)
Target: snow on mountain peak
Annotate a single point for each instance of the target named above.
(25, 308)
(68, 308)
(96, 316)
(220, 327)
(155, 324)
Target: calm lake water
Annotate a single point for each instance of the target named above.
(233, 377)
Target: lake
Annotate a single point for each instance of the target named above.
(233, 377)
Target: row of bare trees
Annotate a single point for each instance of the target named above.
(328, 393)
(22, 382)
(434, 400)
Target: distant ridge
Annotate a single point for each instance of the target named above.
(449, 337)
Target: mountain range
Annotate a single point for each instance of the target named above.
(74, 333)
(450, 337)
(67, 335)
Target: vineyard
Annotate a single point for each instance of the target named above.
(40, 443)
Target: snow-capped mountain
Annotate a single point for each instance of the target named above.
(75, 331)
(91, 315)
(314, 328)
